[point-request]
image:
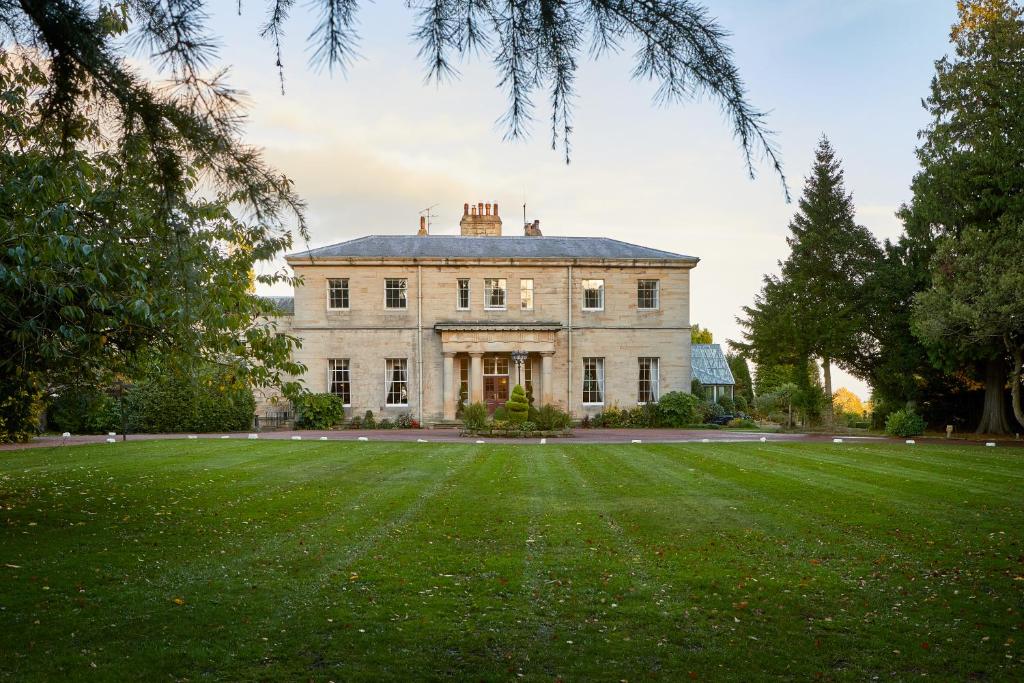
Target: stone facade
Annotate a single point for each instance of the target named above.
(448, 348)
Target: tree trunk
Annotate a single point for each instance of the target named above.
(1015, 379)
(826, 367)
(993, 416)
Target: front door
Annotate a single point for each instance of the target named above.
(495, 381)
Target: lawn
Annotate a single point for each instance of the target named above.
(205, 560)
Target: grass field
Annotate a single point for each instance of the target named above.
(212, 560)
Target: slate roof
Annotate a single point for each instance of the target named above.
(285, 304)
(456, 246)
(709, 365)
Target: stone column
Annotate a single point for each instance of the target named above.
(448, 385)
(546, 362)
(476, 378)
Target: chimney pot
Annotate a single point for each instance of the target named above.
(487, 209)
(495, 208)
(480, 209)
(465, 209)
(423, 226)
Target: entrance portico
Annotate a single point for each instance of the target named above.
(492, 344)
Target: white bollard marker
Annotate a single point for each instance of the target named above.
(296, 438)
(764, 439)
(225, 437)
(837, 440)
(254, 436)
(636, 441)
(421, 440)
(192, 436)
(323, 438)
(705, 440)
(480, 441)
(911, 442)
(990, 444)
(66, 435)
(543, 441)
(363, 438)
(111, 439)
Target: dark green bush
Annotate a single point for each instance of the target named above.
(355, 423)
(744, 423)
(474, 417)
(518, 406)
(207, 400)
(527, 426)
(904, 423)
(550, 418)
(500, 414)
(20, 407)
(741, 403)
(83, 410)
(385, 423)
(677, 409)
(403, 421)
(727, 403)
(319, 411)
(368, 421)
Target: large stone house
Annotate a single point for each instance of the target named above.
(411, 323)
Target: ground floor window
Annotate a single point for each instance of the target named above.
(464, 379)
(397, 382)
(647, 388)
(339, 380)
(593, 380)
(528, 376)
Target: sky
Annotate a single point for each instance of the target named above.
(370, 148)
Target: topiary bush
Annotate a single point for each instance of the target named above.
(677, 409)
(474, 417)
(319, 411)
(368, 420)
(517, 406)
(904, 423)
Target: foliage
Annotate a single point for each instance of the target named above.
(969, 186)
(517, 406)
(20, 406)
(845, 401)
(474, 417)
(551, 418)
(699, 335)
(742, 423)
(355, 423)
(741, 373)
(727, 402)
(319, 411)
(818, 307)
(369, 422)
(500, 414)
(405, 421)
(678, 408)
(904, 423)
(741, 403)
(463, 398)
(528, 426)
(171, 398)
(84, 409)
(696, 387)
(385, 423)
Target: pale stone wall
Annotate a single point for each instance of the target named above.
(368, 333)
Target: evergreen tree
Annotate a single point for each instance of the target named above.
(741, 373)
(971, 180)
(817, 307)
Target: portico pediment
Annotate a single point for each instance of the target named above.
(497, 337)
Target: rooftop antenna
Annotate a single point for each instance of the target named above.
(426, 212)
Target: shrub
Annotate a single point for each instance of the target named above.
(677, 409)
(904, 423)
(319, 411)
(744, 423)
(83, 410)
(586, 422)
(385, 423)
(368, 420)
(355, 423)
(612, 418)
(552, 418)
(709, 410)
(474, 417)
(518, 406)
(727, 403)
(207, 399)
(500, 414)
(404, 421)
(528, 426)
(20, 407)
(741, 403)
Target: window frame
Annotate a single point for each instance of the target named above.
(344, 289)
(653, 379)
(600, 289)
(522, 290)
(404, 289)
(404, 382)
(487, 294)
(599, 379)
(657, 295)
(459, 291)
(347, 373)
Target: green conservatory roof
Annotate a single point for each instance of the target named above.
(709, 365)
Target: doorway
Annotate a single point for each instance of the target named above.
(495, 381)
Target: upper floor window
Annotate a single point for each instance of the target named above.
(494, 294)
(593, 380)
(647, 386)
(396, 293)
(337, 293)
(593, 295)
(526, 294)
(396, 382)
(647, 295)
(462, 298)
(338, 379)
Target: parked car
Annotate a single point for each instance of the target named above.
(722, 419)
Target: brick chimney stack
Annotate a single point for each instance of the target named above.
(480, 220)
(532, 229)
(423, 227)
